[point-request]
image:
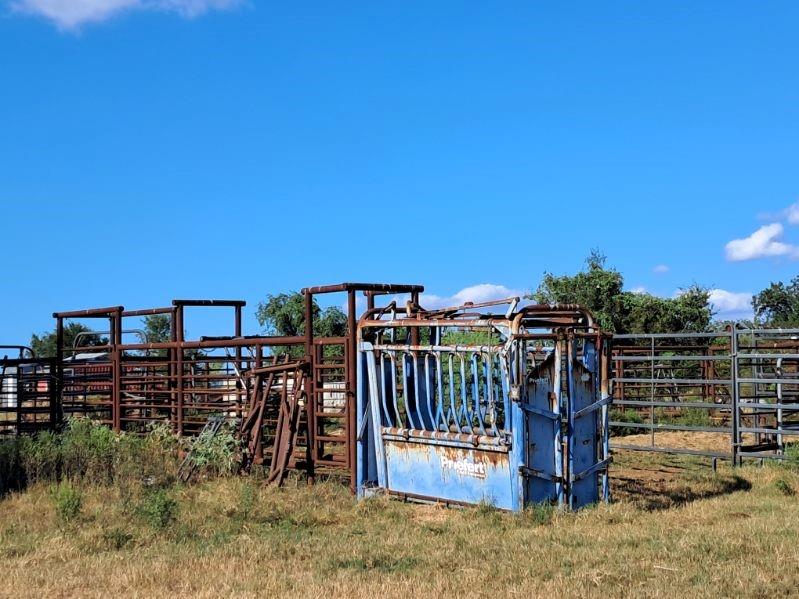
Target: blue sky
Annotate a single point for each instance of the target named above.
(152, 149)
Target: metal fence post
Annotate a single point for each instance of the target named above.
(736, 441)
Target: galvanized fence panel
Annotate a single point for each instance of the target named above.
(767, 391)
(737, 388)
(674, 383)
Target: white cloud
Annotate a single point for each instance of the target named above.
(72, 14)
(482, 292)
(660, 269)
(730, 304)
(792, 213)
(639, 290)
(762, 243)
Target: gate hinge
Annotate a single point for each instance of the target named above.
(527, 472)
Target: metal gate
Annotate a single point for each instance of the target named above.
(465, 407)
(27, 393)
(732, 394)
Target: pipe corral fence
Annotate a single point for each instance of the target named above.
(493, 402)
(737, 388)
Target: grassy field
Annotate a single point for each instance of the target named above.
(674, 529)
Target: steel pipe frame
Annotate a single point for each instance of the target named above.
(569, 323)
(370, 290)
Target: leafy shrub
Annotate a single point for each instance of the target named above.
(215, 455)
(628, 415)
(246, 501)
(41, 457)
(116, 538)
(540, 513)
(791, 456)
(784, 487)
(68, 501)
(87, 451)
(12, 473)
(159, 509)
(686, 416)
(150, 458)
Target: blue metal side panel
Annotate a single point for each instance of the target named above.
(366, 468)
(585, 491)
(540, 440)
(366, 472)
(450, 473)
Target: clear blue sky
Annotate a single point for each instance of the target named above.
(226, 149)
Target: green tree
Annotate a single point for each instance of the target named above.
(778, 305)
(45, 344)
(158, 328)
(601, 290)
(284, 314)
(597, 288)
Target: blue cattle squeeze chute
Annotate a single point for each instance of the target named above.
(465, 405)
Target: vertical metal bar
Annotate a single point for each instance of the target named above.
(557, 386)
(56, 417)
(179, 369)
(312, 403)
(115, 328)
(605, 366)
(352, 382)
(778, 371)
(736, 441)
(570, 357)
(652, 391)
(239, 364)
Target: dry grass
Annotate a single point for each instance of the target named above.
(675, 530)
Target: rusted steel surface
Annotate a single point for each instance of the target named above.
(303, 418)
(27, 392)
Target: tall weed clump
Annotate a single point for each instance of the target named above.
(90, 453)
(215, 455)
(67, 500)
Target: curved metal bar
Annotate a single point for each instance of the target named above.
(452, 413)
(476, 391)
(491, 412)
(392, 356)
(467, 414)
(407, 375)
(428, 397)
(441, 420)
(384, 388)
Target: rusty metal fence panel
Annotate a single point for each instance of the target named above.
(27, 395)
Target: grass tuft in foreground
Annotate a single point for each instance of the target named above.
(679, 527)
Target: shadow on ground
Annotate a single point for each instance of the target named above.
(665, 482)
